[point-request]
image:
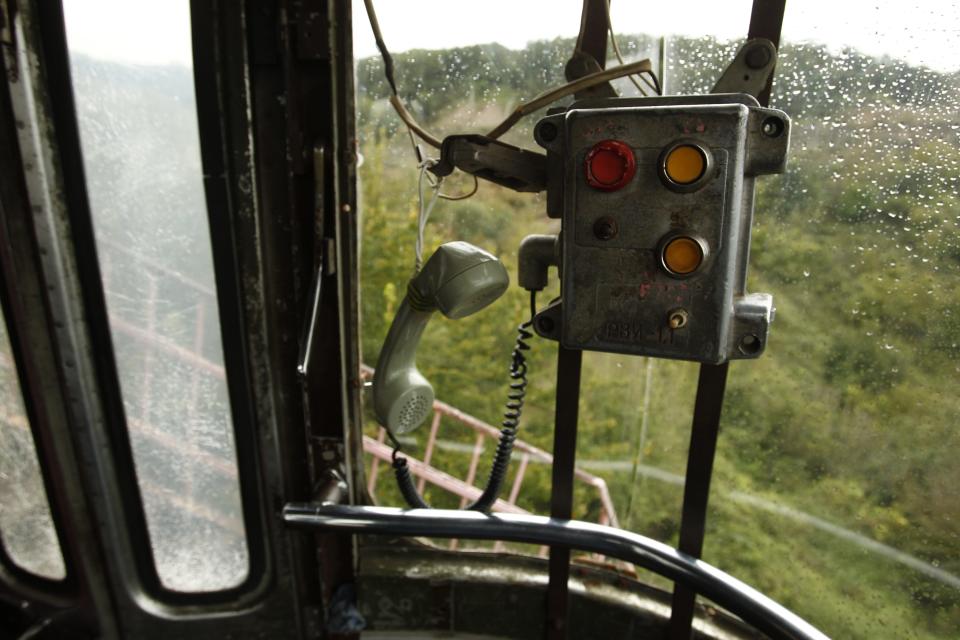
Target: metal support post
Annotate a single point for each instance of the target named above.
(561, 497)
(696, 490)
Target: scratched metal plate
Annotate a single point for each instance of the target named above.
(616, 296)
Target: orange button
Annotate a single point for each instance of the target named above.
(610, 165)
(682, 256)
(685, 164)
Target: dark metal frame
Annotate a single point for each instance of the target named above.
(711, 386)
(225, 153)
(766, 20)
(11, 196)
(752, 606)
(59, 88)
(18, 289)
(561, 495)
(234, 350)
(244, 55)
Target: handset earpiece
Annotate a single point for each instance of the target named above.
(459, 279)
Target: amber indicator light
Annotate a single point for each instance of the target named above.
(682, 255)
(685, 164)
(610, 165)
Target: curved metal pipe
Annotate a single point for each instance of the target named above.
(728, 592)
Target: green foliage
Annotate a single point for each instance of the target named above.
(849, 416)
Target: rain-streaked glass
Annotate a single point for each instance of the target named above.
(836, 485)
(133, 82)
(26, 527)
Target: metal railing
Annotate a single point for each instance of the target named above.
(192, 357)
(466, 489)
(141, 321)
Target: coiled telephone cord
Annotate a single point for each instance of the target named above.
(508, 431)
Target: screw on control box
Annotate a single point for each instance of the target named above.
(656, 200)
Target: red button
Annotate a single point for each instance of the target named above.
(610, 165)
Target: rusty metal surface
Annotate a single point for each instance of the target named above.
(416, 588)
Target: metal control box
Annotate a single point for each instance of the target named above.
(656, 200)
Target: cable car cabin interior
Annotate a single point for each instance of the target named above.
(479, 320)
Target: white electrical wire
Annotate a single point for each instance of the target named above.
(655, 86)
(425, 207)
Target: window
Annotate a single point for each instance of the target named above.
(835, 487)
(26, 527)
(133, 82)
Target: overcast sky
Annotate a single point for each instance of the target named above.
(922, 31)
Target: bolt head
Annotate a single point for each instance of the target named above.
(758, 57)
(545, 324)
(548, 132)
(605, 228)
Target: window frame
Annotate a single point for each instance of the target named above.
(240, 65)
(121, 475)
(15, 315)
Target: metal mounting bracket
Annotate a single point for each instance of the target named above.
(750, 70)
(503, 164)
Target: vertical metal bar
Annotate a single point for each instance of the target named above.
(766, 21)
(638, 480)
(311, 319)
(375, 464)
(518, 479)
(191, 433)
(471, 476)
(474, 462)
(593, 30)
(428, 453)
(515, 490)
(106, 270)
(696, 490)
(561, 499)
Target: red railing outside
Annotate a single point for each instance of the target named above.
(191, 356)
(466, 489)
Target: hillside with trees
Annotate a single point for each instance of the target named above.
(848, 422)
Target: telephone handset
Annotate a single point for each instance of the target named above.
(459, 279)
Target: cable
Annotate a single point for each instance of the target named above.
(388, 66)
(616, 51)
(508, 431)
(423, 214)
(468, 194)
(544, 99)
(524, 108)
(425, 208)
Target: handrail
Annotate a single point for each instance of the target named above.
(740, 599)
